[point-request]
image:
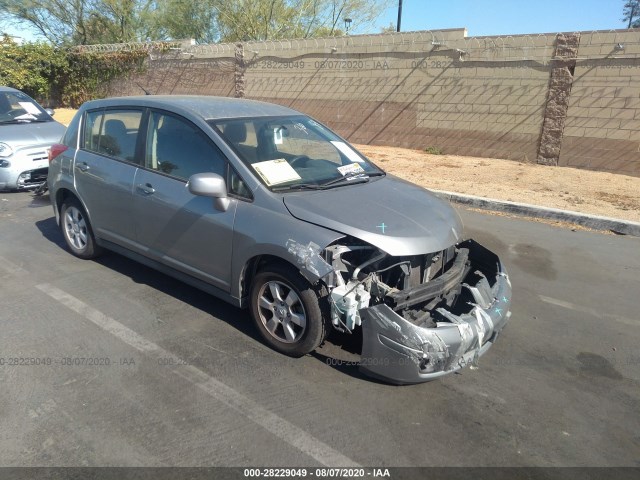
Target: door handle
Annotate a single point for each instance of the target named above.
(83, 167)
(147, 188)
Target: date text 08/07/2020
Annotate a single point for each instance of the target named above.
(317, 472)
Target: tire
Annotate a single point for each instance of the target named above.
(77, 231)
(286, 311)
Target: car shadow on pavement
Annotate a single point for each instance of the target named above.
(351, 368)
(141, 274)
(341, 351)
(37, 202)
(219, 309)
(50, 230)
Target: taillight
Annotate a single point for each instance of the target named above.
(55, 150)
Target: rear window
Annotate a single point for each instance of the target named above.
(113, 133)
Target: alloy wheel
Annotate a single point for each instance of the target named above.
(281, 311)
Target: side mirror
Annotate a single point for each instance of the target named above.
(210, 185)
(50, 111)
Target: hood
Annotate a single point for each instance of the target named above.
(28, 134)
(396, 216)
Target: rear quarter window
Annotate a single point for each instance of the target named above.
(70, 138)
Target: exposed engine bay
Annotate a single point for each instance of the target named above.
(422, 316)
(412, 286)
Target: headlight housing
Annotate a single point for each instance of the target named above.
(5, 150)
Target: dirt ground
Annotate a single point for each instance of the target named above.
(584, 191)
(64, 115)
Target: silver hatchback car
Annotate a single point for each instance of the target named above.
(26, 133)
(270, 210)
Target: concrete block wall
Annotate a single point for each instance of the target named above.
(480, 96)
(174, 75)
(602, 129)
(470, 96)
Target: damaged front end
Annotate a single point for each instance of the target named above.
(422, 316)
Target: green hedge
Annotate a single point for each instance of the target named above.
(63, 77)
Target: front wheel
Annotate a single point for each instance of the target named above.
(286, 311)
(76, 230)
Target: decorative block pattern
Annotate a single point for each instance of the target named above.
(524, 97)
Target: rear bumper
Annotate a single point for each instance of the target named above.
(400, 352)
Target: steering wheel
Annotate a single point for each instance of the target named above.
(302, 159)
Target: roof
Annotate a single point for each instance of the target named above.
(7, 89)
(207, 107)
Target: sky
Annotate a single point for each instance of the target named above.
(504, 17)
(491, 17)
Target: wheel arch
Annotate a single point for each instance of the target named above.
(64, 193)
(253, 266)
(61, 195)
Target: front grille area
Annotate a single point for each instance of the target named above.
(448, 279)
(38, 156)
(32, 178)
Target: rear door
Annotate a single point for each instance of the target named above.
(173, 226)
(105, 168)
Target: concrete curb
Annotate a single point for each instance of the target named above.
(596, 222)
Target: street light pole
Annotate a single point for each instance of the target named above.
(399, 14)
(347, 24)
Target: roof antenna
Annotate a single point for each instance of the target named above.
(143, 89)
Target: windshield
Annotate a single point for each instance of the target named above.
(17, 107)
(294, 152)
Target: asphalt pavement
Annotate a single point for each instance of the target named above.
(108, 363)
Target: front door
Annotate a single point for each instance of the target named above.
(173, 226)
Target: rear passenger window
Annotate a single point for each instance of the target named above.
(180, 149)
(113, 133)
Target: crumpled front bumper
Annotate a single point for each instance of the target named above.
(397, 351)
(27, 169)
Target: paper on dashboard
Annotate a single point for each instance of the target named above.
(30, 108)
(274, 172)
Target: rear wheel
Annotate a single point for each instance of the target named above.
(286, 311)
(76, 230)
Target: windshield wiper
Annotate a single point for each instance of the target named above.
(17, 121)
(351, 179)
(299, 186)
